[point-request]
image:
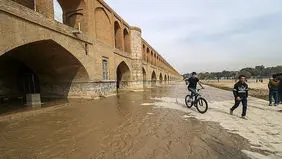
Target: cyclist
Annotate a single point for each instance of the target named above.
(192, 84)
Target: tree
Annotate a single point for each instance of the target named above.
(258, 71)
(245, 73)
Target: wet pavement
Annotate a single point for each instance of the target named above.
(126, 126)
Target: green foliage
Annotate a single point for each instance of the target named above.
(257, 72)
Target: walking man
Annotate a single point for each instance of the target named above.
(240, 92)
(273, 86)
(279, 76)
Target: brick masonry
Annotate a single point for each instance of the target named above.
(33, 37)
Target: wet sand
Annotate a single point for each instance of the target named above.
(129, 125)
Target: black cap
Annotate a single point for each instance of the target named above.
(194, 73)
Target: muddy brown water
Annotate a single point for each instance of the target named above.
(116, 127)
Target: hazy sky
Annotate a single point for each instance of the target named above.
(209, 35)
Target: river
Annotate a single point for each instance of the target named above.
(124, 126)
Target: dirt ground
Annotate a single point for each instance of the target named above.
(263, 127)
(256, 89)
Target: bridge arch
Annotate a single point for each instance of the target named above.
(126, 40)
(161, 78)
(144, 53)
(123, 75)
(118, 36)
(144, 76)
(43, 67)
(153, 78)
(103, 26)
(144, 73)
(147, 55)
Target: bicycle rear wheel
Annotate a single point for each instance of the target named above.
(202, 105)
(188, 101)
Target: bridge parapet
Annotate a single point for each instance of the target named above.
(26, 14)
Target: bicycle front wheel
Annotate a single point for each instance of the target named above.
(202, 105)
(188, 101)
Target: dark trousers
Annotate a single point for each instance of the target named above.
(244, 103)
(193, 92)
(274, 94)
(280, 96)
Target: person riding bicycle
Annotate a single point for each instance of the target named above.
(192, 86)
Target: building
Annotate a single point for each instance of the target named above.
(92, 53)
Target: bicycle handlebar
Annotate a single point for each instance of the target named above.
(200, 89)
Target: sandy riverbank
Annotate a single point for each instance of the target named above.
(256, 89)
(263, 129)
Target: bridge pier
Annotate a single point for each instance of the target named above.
(33, 99)
(45, 7)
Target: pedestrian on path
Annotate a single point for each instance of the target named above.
(279, 76)
(240, 92)
(273, 87)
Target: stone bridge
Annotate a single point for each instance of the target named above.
(91, 53)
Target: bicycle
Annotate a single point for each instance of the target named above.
(200, 103)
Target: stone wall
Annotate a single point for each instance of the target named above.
(22, 26)
(80, 89)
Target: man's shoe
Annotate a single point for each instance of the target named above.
(231, 112)
(244, 117)
(270, 105)
(276, 104)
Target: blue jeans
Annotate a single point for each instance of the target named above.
(193, 92)
(274, 94)
(280, 96)
(244, 103)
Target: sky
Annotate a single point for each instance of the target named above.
(208, 35)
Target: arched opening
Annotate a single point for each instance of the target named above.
(42, 67)
(123, 75)
(58, 11)
(148, 54)
(126, 40)
(165, 78)
(103, 26)
(161, 78)
(144, 76)
(74, 13)
(118, 36)
(168, 78)
(152, 58)
(153, 78)
(157, 61)
(144, 53)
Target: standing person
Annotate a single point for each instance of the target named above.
(273, 87)
(279, 76)
(240, 92)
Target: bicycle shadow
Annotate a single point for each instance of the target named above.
(193, 108)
